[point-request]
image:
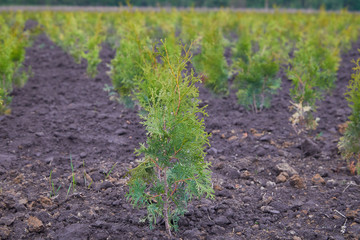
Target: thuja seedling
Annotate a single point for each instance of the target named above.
(173, 170)
(349, 144)
(257, 80)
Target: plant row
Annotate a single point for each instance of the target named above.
(13, 41)
(258, 45)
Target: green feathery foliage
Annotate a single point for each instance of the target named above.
(211, 63)
(313, 73)
(66, 31)
(6, 71)
(93, 49)
(13, 40)
(304, 97)
(243, 47)
(126, 68)
(256, 79)
(349, 144)
(188, 24)
(173, 170)
(5, 100)
(303, 74)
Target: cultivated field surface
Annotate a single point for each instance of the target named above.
(66, 147)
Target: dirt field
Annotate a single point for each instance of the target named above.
(61, 113)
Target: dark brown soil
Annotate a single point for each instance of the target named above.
(61, 113)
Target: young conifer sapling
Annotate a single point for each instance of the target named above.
(349, 144)
(173, 170)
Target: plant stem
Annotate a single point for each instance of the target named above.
(263, 95)
(166, 205)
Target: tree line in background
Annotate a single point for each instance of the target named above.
(353, 5)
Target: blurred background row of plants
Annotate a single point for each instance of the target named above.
(352, 5)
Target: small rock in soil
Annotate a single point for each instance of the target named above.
(269, 209)
(270, 184)
(332, 183)
(282, 177)
(116, 203)
(245, 174)
(296, 204)
(266, 200)
(353, 229)
(285, 167)
(260, 151)
(6, 159)
(101, 224)
(265, 138)
(255, 227)
(297, 182)
(233, 174)
(216, 229)
(73, 231)
(340, 112)
(224, 193)
(34, 224)
(318, 180)
(120, 131)
(222, 221)
(212, 151)
(229, 186)
(83, 155)
(309, 148)
(283, 153)
(20, 207)
(229, 213)
(103, 185)
(192, 234)
(19, 179)
(280, 206)
(219, 166)
(356, 179)
(103, 235)
(247, 199)
(48, 160)
(310, 206)
(39, 134)
(323, 173)
(7, 220)
(353, 214)
(206, 201)
(217, 187)
(4, 232)
(232, 138)
(45, 202)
